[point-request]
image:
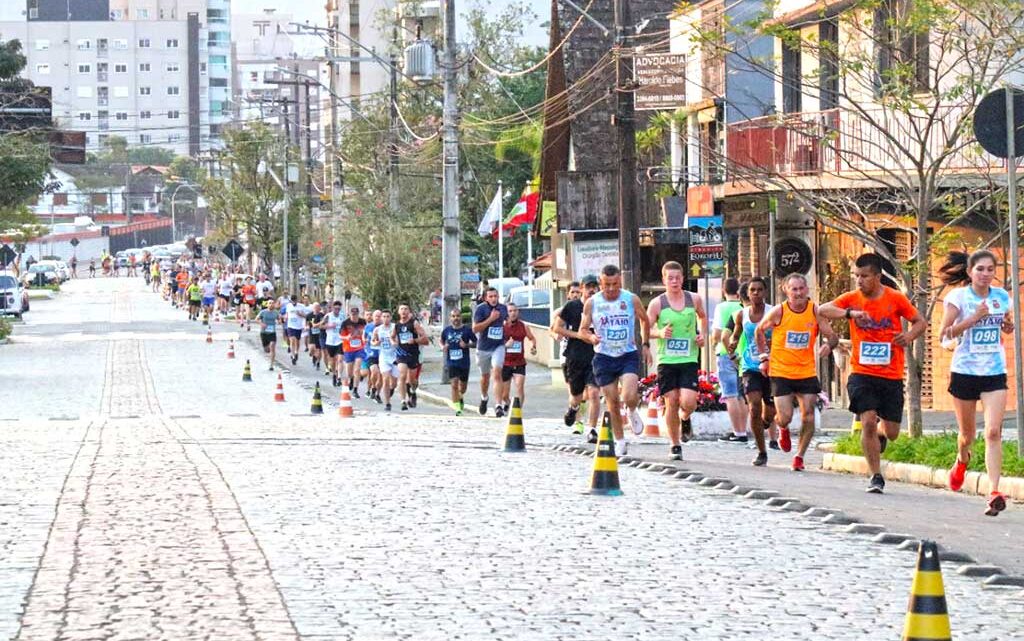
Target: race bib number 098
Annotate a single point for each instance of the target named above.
(985, 340)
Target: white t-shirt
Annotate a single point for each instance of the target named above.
(209, 288)
(297, 315)
(264, 288)
(333, 329)
(226, 286)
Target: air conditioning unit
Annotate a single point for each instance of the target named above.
(33, 14)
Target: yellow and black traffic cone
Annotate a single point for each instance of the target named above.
(318, 406)
(247, 373)
(606, 467)
(515, 441)
(206, 318)
(927, 617)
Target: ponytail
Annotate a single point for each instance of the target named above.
(956, 269)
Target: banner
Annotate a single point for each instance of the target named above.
(589, 256)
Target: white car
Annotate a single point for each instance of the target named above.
(59, 266)
(13, 297)
(520, 297)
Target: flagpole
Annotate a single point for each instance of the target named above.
(501, 236)
(529, 267)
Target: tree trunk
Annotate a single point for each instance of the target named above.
(916, 356)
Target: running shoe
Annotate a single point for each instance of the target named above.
(784, 439)
(578, 428)
(387, 407)
(355, 392)
(761, 459)
(734, 438)
(637, 422)
(687, 429)
(774, 445)
(405, 406)
(876, 485)
(334, 381)
(462, 405)
(570, 416)
(592, 436)
(412, 399)
(499, 411)
(458, 412)
(883, 443)
(271, 368)
(295, 359)
(676, 452)
(483, 406)
(621, 447)
(376, 397)
(798, 464)
(996, 504)
(956, 475)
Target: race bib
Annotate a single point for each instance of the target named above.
(985, 340)
(385, 343)
(798, 340)
(677, 346)
(516, 347)
(875, 353)
(495, 332)
(355, 343)
(615, 335)
(404, 337)
(454, 354)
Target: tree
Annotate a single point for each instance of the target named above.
(893, 146)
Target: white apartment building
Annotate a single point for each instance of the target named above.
(261, 44)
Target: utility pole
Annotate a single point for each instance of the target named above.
(393, 144)
(625, 125)
(450, 285)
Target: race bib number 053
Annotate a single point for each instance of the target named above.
(677, 347)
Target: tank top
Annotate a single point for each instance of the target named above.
(387, 348)
(748, 343)
(682, 347)
(407, 332)
(792, 345)
(613, 323)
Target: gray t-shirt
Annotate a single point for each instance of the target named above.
(268, 316)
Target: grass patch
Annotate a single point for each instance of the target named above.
(935, 451)
(53, 287)
(5, 328)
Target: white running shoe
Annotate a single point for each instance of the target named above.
(637, 422)
(621, 447)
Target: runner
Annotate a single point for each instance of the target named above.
(795, 325)
(739, 336)
(248, 302)
(578, 354)
(331, 324)
(875, 387)
(195, 299)
(225, 290)
(408, 335)
(728, 372)
(608, 323)
(316, 334)
(513, 371)
(673, 318)
(352, 344)
(268, 318)
(295, 321)
(973, 317)
(264, 290)
(209, 287)
(182, 280)
(456, 340)
(488, 324)
(373, 384)
(382, 337)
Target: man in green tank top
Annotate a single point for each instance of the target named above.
(674, 316)
(728, 372)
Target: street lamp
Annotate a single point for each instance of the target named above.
(174, 194)
(263, 169)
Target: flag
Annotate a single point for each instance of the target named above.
(524, 213)
(492, 216)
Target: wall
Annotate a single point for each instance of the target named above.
(63, 10)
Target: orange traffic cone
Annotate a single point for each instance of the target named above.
(651, 420)
(231, 349)
(209, 336)
(345, 403)
(279, 394)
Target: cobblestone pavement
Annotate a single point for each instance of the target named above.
(184, 504)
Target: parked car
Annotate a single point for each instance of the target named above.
(13, 297)
(520, 297)
(62, 269)
(504, 285)
(41, 274)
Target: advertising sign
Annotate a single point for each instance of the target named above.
(660, 79)
(589, 256)
(706, 244)
(469, 273)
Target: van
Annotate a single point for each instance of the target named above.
(504, 286)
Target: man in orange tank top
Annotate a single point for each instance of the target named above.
(791, 364)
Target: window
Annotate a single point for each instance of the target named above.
(254, 76)
(901, 48)
(172, 67)
(173, 137)
(84, 92)
(120, 68)
(85, 116)
(791, 85)
(173, 91)
(84, 68)
(145, 91)
(145, 115)
(144, 43)
(84, 45)
(42, 45)
(60, 199)
(121, 44)
(202, 68)
(173, 114)
(145, 139)
(142, 14)
(218, 82)
(828, 36)
(43, 69)
(122, 116)
(144, 67)
(172, 43)
(102, 139)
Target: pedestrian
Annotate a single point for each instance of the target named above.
(578, 357)
(974, 317)
(513, 371)
(875, 386)
(352, 330)
(268, 318)
(739, 337)
(609, 318)
(382, 338)
(488, 324)
(728, 370)
(295, 321)
(679, 324)
(795, 326)
(456, 341)
(408, 335)
(92, 268)
(331, 324)
(74, 266)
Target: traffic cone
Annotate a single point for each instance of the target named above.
(605, 480)
(514, 439)
(345, 402)
(209, 336)
(231, 349)
(927, 617)
(279, 394)
(247, 373)
(651, 420)
(216, 315)
(317, 407)
(206, 318)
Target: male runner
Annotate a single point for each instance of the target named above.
(316, 334)
(578, 367)
(382, 337)
(264, 290)
(488, 324)
(728, 372)
(209, 287)
(331, 324)
(456, 340)
(295, 321)
(875, 387)
(372, 351)
(225, 289)
(792, 366)
(352, 346)
(674, 318)
(608, 321)
(195, 299)
(513, 371)
(248, 302)
(268, 318)
(408, 334)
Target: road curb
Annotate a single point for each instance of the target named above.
(975, 482)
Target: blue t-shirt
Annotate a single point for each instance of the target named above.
(371, 350)
(493, 336)
(458, 356)
(979, 350)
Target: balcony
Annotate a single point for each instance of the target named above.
(844, 142)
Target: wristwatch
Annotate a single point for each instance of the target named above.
(848, 312)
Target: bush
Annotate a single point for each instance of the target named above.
(5, 328)
(53, 287)
(937, 450)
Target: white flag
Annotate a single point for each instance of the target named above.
(492, 216)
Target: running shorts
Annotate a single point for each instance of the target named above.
(787, 386)
(681, 376)
(967, 387)
(608, 369)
